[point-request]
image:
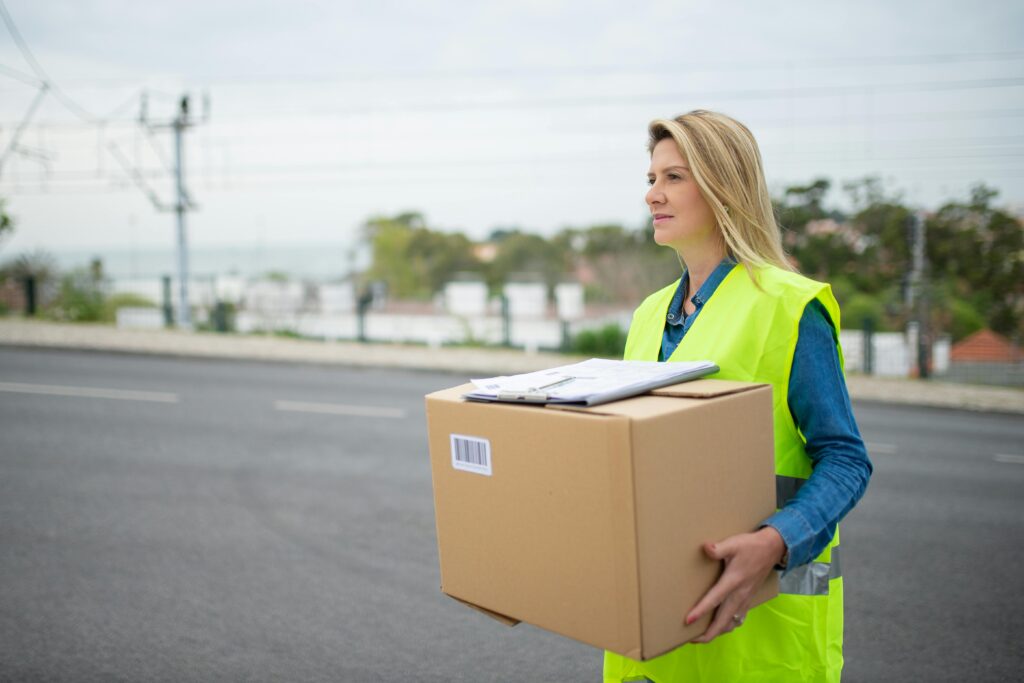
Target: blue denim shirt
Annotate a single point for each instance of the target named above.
(820, 405)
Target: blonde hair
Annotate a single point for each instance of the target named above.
(724, 160)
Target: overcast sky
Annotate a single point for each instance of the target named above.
(529, 113)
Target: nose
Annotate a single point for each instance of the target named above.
(654, 195)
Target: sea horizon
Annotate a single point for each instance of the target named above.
(317, 261)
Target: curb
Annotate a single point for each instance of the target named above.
(457, 360)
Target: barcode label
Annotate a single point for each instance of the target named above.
(471, 453)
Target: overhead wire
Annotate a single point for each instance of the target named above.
(644, 99)
(40, 73)
(571, 70)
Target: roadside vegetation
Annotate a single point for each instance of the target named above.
(973, 276)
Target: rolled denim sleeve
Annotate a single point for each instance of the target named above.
(820, 405)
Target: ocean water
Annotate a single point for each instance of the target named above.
(323, 262)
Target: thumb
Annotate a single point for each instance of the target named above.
(721, 550)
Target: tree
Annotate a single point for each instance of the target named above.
(977, 250)
(626, 265)
(6, 222)
(822, 244)
(413, 260)
(880, 220)
(801, 204)
(38, 265)
(522, 252)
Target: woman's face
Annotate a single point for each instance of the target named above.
(682, 218)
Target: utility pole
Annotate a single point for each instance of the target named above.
(183, 202)
(180, 124)
(916, 295)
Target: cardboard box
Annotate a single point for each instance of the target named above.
(588, 522)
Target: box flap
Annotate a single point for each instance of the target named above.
(637, 407)
(508, 621)
(705, 388)
(652, 403)
(453, 394)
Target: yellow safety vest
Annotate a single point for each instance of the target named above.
(750, 331)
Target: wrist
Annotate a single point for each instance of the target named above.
(780, 552)
(783, 562)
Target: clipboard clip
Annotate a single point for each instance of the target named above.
(534, 394)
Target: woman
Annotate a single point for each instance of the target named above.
(740, 303)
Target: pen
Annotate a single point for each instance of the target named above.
(556, 383)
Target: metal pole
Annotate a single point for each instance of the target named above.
(921, 296)
(180, 124)
(30, 295)
(168, 308)
(506, 322)
(869, 346)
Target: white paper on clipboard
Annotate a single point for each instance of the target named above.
(591, 382)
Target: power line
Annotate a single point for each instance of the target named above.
(578, 70)
(20, 76)
(645, 99)
(898, 174)
(754, 120)
(40, 73)
(356, 175)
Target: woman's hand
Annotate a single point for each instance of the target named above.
(748, 559)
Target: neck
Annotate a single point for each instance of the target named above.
(700, 264)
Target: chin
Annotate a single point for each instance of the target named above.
(661, 238)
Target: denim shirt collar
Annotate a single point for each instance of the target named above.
(675, 315)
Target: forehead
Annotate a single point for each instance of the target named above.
(666, 154)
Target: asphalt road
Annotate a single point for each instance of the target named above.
(170, 519)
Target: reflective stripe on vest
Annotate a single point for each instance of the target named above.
(812, 578)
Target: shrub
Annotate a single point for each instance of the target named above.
(606, 342)
(79, 298)
(966, 319)
(861, 307)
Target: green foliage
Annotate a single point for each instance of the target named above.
(606, 342)
(79, 298)
(966, 320)
(980, 250)
(276, 276)
(520, 252)
(625, 265)
(800, 205)
(860, 308)
(6, 222)
(880, 222)
(974, 257)
(413, 260)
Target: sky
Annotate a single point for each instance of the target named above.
(480, 115)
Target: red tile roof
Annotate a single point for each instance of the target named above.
(986, 346)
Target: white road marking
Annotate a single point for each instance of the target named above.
(1011, 459)
(88, 392)
(339, 409)
(881, 448)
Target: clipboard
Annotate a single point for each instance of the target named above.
(589, 383)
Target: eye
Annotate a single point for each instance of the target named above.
(650, 180)
(674, 176)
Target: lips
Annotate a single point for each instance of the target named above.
(658, 217)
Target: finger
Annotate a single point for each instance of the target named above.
(723, 550)
(723, 622)
(725, 585)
